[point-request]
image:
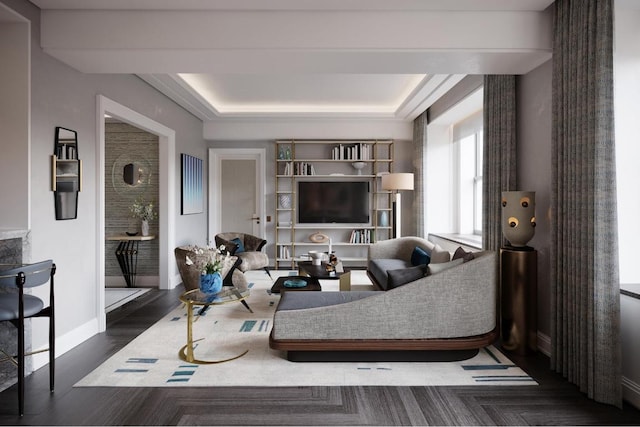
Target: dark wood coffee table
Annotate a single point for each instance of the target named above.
(319, 272)
(312, 284)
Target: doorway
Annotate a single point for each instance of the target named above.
(237, 179)
(168, 278)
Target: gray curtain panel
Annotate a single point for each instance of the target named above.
(419, 144)
(584, 249)
(499, 154)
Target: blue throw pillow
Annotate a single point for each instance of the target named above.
(420, 257)
(239, 245)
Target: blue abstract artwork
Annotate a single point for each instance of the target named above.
(192, 192)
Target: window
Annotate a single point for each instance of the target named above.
(468, 140)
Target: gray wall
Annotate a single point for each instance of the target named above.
(62, 96)
(534, 170)
(403, 155)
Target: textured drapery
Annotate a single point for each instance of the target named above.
(419, 144)
(499, 154)
(585, 301)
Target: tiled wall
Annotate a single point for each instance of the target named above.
(124, 140)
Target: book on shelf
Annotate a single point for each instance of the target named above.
(359, 151)
(360, 236)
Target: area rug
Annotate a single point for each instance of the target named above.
(151, 360)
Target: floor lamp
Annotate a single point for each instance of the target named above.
(396, 182)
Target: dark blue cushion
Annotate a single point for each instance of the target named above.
(239, 245)
(420, 257)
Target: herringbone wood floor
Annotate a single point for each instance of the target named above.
(553, 402)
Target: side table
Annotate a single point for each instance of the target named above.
(196, 297)
(127, 255)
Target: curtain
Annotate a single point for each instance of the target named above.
(585, 300)
(499, 154)
(419, 149)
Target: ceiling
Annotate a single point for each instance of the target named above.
(299, 58)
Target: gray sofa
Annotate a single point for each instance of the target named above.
(454, 309)
(395, 254)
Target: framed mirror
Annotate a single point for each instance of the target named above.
(130, 174)
(66, 173)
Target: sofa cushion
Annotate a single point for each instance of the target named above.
(419, 256)
(378, 269)
(403, 276)
(461, 253)
(442, 266)
(303, 300)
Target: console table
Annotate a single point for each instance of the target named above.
(127, 255)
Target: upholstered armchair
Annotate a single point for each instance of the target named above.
(247, 248)
(190, 275)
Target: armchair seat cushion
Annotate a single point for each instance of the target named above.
(253, 260)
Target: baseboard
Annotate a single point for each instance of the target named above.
(544, 344)
(68, 341)
(141, 282)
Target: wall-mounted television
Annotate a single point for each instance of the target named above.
(333, 202)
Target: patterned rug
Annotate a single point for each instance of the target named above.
(151, 360)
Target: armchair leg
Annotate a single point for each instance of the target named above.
(246, 305)
(266, 269)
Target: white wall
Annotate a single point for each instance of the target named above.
(14, 122)
(62, 96)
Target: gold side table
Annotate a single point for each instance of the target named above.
(518, 299)
(195, 297)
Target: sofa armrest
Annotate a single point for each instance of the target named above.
(402, 248)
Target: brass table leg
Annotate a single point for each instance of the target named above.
(186, 352)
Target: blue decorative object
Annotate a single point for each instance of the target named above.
(295, 283)
(211, 283)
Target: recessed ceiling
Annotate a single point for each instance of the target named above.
(299, 58)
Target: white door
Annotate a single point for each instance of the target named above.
(239, 210)
(236, 191)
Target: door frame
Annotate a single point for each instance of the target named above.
(216, 156)
(166, 195)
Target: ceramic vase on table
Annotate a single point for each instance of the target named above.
(145, 227)
(211, 283)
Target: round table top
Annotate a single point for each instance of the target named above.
(226, 295)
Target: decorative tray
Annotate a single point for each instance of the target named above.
(295, 283)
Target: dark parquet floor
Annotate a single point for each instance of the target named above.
(553, 402)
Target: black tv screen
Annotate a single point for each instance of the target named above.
(326, 202)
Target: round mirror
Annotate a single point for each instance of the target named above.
(130, 174)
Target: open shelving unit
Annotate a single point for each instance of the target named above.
(330, 160)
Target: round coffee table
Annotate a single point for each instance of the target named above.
(194, 298)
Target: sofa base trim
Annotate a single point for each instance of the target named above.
(461, 343)
(382, 356)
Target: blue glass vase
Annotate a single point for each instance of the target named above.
(211, 283)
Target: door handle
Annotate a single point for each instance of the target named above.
(256, 218)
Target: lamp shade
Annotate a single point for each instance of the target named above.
(397, 181)
(518, 216)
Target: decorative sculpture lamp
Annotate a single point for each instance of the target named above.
(518, 216)
(396, 182)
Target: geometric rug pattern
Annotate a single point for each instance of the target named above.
(151, 359)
